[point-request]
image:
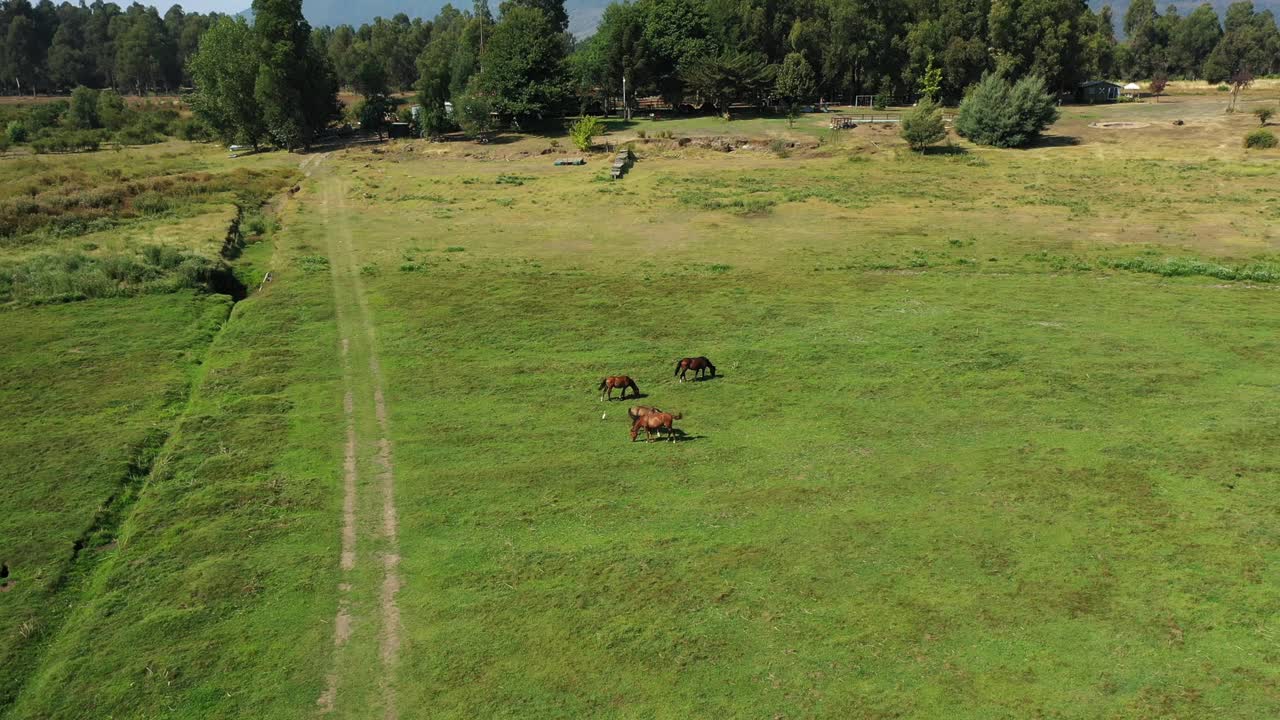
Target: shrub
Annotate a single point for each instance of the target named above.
(474, 114)
(192, 130)
(1264, 115)
(583, 132)
(84, 108)
(76, 276)
(16, 132)
(923, 126)
(1002, 114)
(67, 141)
(780, 147)
(372, 112)
(112, 112)
(1260, 140)
(4, 143)
(46, 115)
(137, 134)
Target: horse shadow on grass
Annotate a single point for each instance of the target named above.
(706, 378)
(679, 435)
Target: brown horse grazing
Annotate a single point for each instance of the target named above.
(620, 382)
(698, 365)
(655, 423)
(640, 411)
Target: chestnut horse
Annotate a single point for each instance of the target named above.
(655, 423)
(621, 382)
(698, 365)
(640, 411)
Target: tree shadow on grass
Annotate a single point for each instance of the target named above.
(1052, 141)
(944, 150)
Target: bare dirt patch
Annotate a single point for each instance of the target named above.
(1119, 125)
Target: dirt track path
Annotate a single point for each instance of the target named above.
(370, 522)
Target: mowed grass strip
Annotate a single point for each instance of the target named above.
(89, 391)
(908, 495)
(215, 602)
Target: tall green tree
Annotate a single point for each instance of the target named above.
(294, 85)
(143, 55)
(434, 73)
(68, 63)
(1042, 38)
(553, 9)
(1194, 40)
(795, 82)
(22, 54)
(225, 70)
(1250, 43)
(729, 78)
(523, 73)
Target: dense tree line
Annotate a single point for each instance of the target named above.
(869, 47)
(271, 80)
(53, 48)
(672, 48)
(1200, 45)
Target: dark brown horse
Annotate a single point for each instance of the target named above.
(655, 423)
(621, 382)
(699, 365)
(640, 411)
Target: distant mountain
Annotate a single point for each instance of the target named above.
(584, 15)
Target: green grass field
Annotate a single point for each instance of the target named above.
(90, 391)
(992, 438)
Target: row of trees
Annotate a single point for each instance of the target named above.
(50, 48)
(1199, 45)
(275, 80)
(665, 47)
(522, 64)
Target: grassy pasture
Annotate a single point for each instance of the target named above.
(89, 392)
(993, 439)
(92, 390)
(213, 604)
(95, 225)
(959, 464)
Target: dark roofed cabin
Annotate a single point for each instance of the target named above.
(1097, 91)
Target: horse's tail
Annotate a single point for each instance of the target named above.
(603, 383)
(679, 365)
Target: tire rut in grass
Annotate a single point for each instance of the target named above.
(356, 328)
